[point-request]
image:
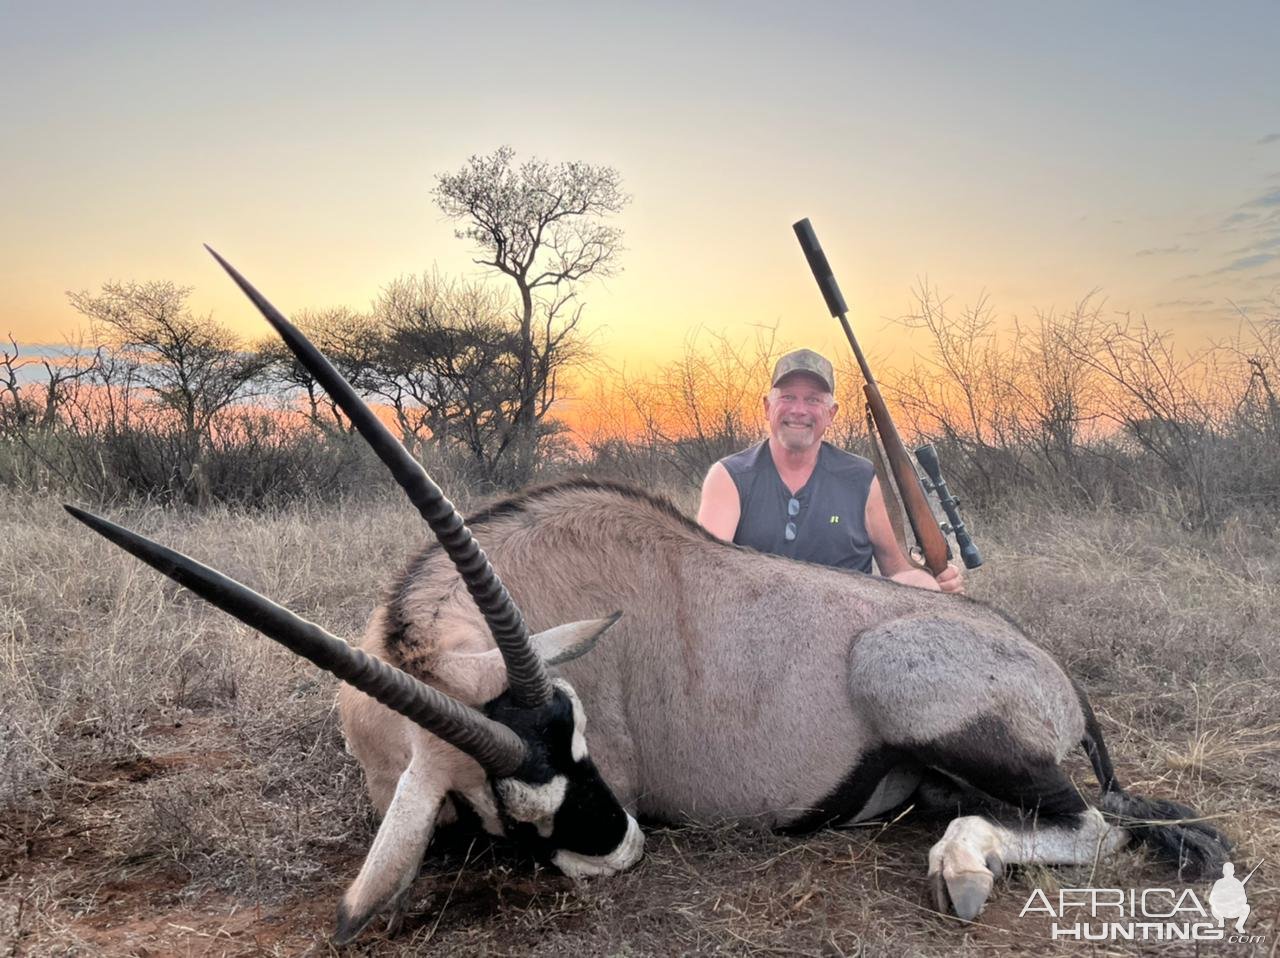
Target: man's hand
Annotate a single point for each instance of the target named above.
(951, 580)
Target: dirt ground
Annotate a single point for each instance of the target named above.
(174, 786)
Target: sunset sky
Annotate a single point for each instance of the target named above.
(1034, 151)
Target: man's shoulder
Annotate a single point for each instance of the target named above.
(744, 460)
(844, 463)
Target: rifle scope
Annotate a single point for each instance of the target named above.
(927, 456)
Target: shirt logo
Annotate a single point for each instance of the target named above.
(835, 520)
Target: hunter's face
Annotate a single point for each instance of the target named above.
(799, 410)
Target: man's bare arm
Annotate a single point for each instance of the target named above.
(719, 509)
(889, 558)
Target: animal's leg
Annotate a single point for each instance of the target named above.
(479, 797)
(377, 738)
(381, 784)
(995, 714)
(1030, 812)
(974, 850)
(393, 860)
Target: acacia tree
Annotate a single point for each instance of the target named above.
(349, 340)
(41, 401)
(192, 367)
(539, 224)
(447, 360)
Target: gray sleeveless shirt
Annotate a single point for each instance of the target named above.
(831, 523)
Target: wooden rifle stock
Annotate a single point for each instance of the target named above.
(919, 513)
(924, 526)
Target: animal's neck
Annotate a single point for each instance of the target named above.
(794, 466)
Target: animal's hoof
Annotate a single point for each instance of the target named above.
(995, 865)
(349, 925)
(938, 888)
(395, 920)
(964, 865)
(968, 892)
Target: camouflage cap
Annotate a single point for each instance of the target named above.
(805, 361)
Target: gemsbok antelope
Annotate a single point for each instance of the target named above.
(731, 686)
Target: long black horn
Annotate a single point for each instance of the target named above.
(526, 674)
(490, 743)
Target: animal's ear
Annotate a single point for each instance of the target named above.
(566, 642)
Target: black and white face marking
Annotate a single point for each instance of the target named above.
(557, 799)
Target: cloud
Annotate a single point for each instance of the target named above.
(1248, 262)
(1184, 302)
(1164, 251)
(1266, 199)
(1215, 311)
(1259, 246)
(1269, 138)
(1235, 219)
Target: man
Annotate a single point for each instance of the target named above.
(797, 496)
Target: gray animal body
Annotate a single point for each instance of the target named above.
(738, 685)
(751, 688)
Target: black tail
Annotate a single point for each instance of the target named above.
(1095, 747)
(1173, 832)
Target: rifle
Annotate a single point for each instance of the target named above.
(930, 537)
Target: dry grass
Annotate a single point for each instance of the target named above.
(175, 784)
